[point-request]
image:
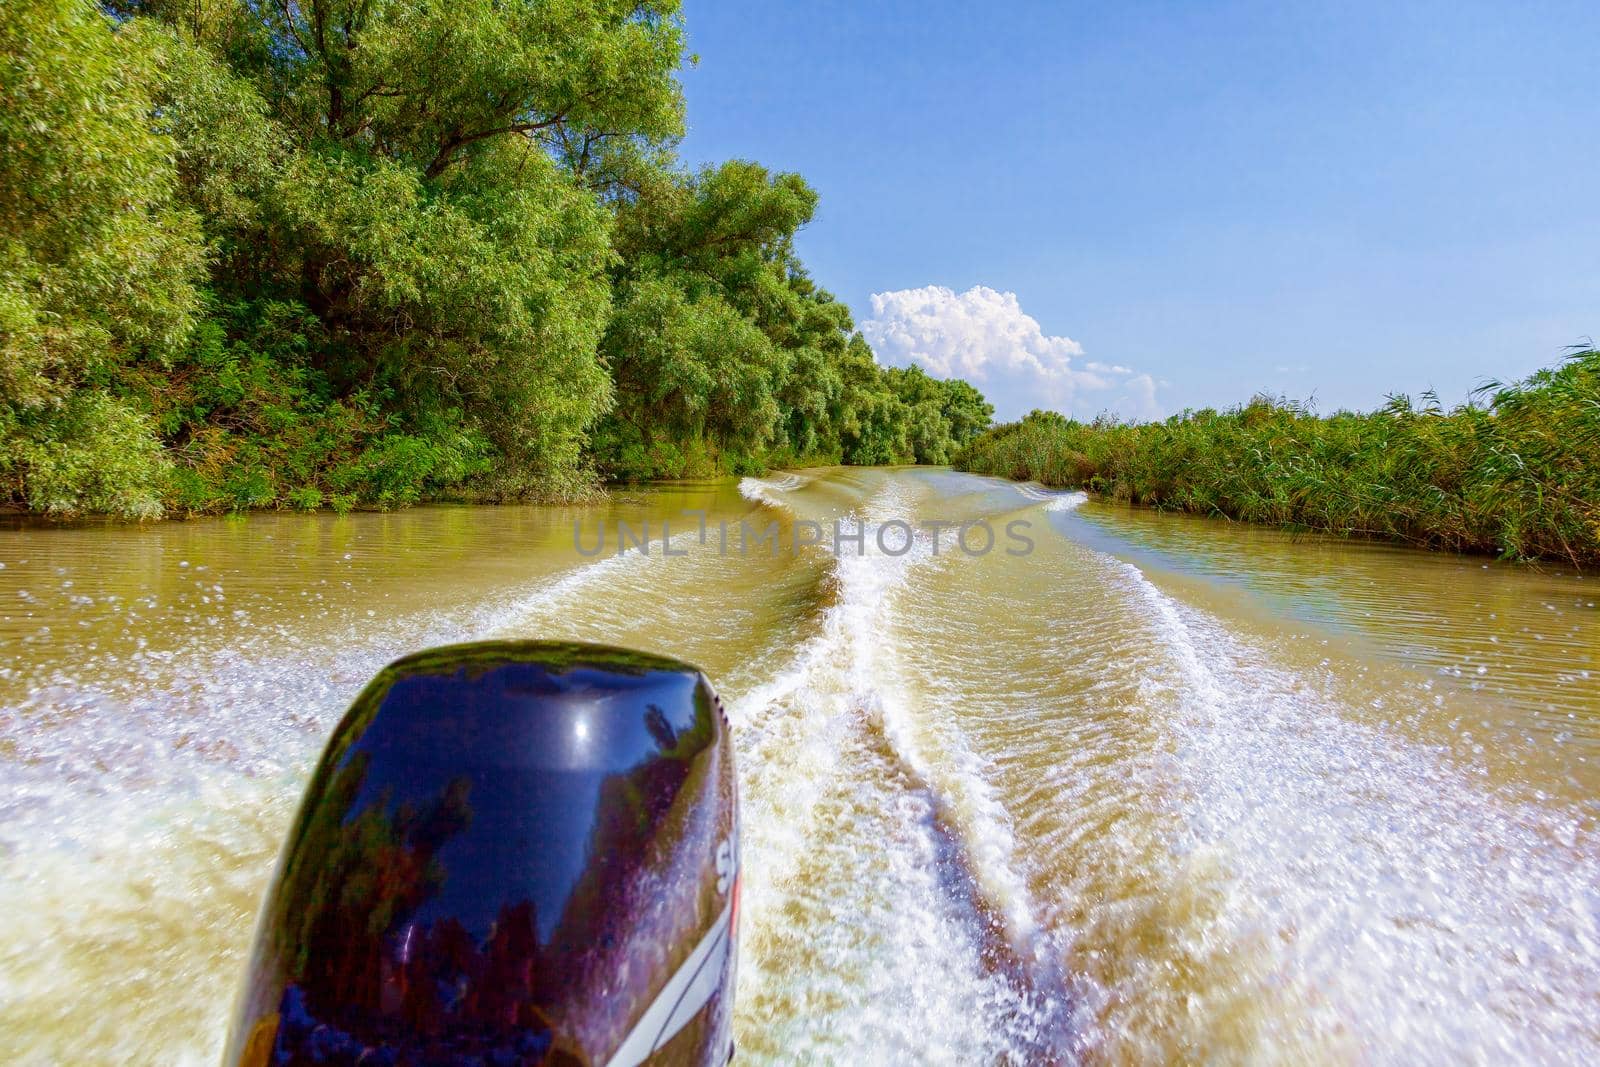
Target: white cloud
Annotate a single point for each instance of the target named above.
(964, 334)
(1138, 399)
(985, 336)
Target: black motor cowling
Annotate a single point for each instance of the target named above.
(510, 853)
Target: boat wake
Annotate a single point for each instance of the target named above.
(862, 805)
(1337, 886)
(995, 808)
(179, 771)
(1053, 500)
(770, 491)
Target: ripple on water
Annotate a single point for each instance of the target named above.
(994, 809)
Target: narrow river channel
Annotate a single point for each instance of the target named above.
(1125, 787)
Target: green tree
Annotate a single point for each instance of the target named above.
(874, 423)
(99, 259)
(403, 187)
(726, 353)
(336, 252)
(942, 415)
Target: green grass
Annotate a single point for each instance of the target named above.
(1514, 472)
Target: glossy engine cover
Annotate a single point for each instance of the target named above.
(510, 853)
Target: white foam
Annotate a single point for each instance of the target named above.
(770, 491)
(845, 782)
(1414, 911)
(1066, 501)
(178, 771)
(1052, 500)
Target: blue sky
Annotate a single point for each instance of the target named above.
(1202, 200)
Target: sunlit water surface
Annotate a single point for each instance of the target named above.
(1159, 789)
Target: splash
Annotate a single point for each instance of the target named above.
(770, 492)
(996, 809)
(1368, 892)
(179, 772)
(836, 749)
(1052, 499)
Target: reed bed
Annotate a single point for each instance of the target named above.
(1514, 471)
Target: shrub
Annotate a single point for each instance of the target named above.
(92, 453)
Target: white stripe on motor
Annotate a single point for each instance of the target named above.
(684, 994)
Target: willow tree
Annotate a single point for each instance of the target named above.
(270, 252)
(450, 269)
(98, 258)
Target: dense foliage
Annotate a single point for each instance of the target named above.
(1516, 472)
(330, 252)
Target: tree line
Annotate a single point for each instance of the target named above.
(306, 253)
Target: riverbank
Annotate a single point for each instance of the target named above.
(591, 491)
(1514, 472)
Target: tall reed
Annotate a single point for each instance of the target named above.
(1514, 471)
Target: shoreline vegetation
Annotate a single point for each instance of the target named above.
(343, 255)
(1513, 472)
(352, 255)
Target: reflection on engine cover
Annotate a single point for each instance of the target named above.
(510, 853)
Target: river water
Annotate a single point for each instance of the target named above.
(1145, 789)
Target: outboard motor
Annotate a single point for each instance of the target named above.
(510, 853)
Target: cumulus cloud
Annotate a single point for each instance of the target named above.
(984, 336)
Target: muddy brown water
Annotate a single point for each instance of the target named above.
(1159, 789)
